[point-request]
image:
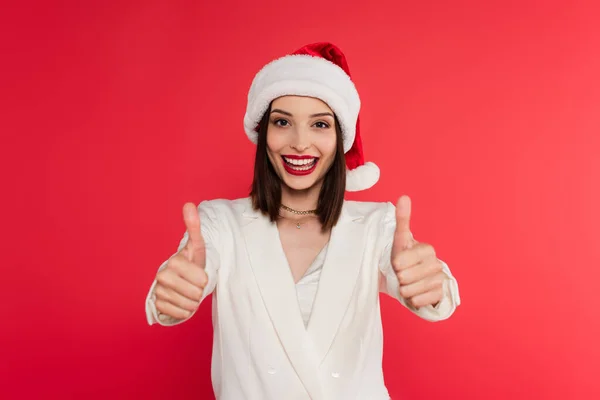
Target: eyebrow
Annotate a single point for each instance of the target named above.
(323, 114)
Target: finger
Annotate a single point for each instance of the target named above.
(192, 224)
(188, 270)
(170, 310)
(171, 280)
(403, 238)
(419, 272)
(423, 286)
(426, 299)
(195, 275)
(403, 210)
(170, 296)
(410, 257)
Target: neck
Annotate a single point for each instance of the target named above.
(300, 200)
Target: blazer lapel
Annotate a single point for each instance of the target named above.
(337, 282)
(278, 292)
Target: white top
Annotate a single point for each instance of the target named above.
(262, 347)
(306, 288)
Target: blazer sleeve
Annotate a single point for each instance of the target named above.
(390, 285)
(208, 226)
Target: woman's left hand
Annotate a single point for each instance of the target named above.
(419, 271)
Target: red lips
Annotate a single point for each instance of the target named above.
(292, 169)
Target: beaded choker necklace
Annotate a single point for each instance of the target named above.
(297, 212)
(286, 208)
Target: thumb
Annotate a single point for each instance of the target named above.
(195, 245)
(403, 238)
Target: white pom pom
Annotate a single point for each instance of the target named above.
(363, 177)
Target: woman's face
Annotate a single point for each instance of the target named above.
(301, 140)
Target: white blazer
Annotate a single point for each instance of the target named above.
(261, 348)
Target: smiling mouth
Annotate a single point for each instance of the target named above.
(300, 166)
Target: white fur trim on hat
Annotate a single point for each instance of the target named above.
(362, 177)
(304, 75)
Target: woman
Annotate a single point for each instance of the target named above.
(295, 269)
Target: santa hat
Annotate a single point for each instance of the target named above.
(317, 70)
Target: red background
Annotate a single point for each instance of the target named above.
(116, 113)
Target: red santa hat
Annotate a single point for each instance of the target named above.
(316, 70)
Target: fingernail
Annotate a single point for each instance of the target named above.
(190, 211)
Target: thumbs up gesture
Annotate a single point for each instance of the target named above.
(181, 283)
(419, 272)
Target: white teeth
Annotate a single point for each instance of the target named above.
(300, 165)
(306, 161)
(302, 168)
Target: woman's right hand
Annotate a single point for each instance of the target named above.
(181, 283)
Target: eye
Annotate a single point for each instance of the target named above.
(281, 122)
(322, 125)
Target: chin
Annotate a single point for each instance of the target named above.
(299, 184)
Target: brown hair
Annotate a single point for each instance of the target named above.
(266, 186)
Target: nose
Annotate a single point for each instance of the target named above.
(301, 141)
